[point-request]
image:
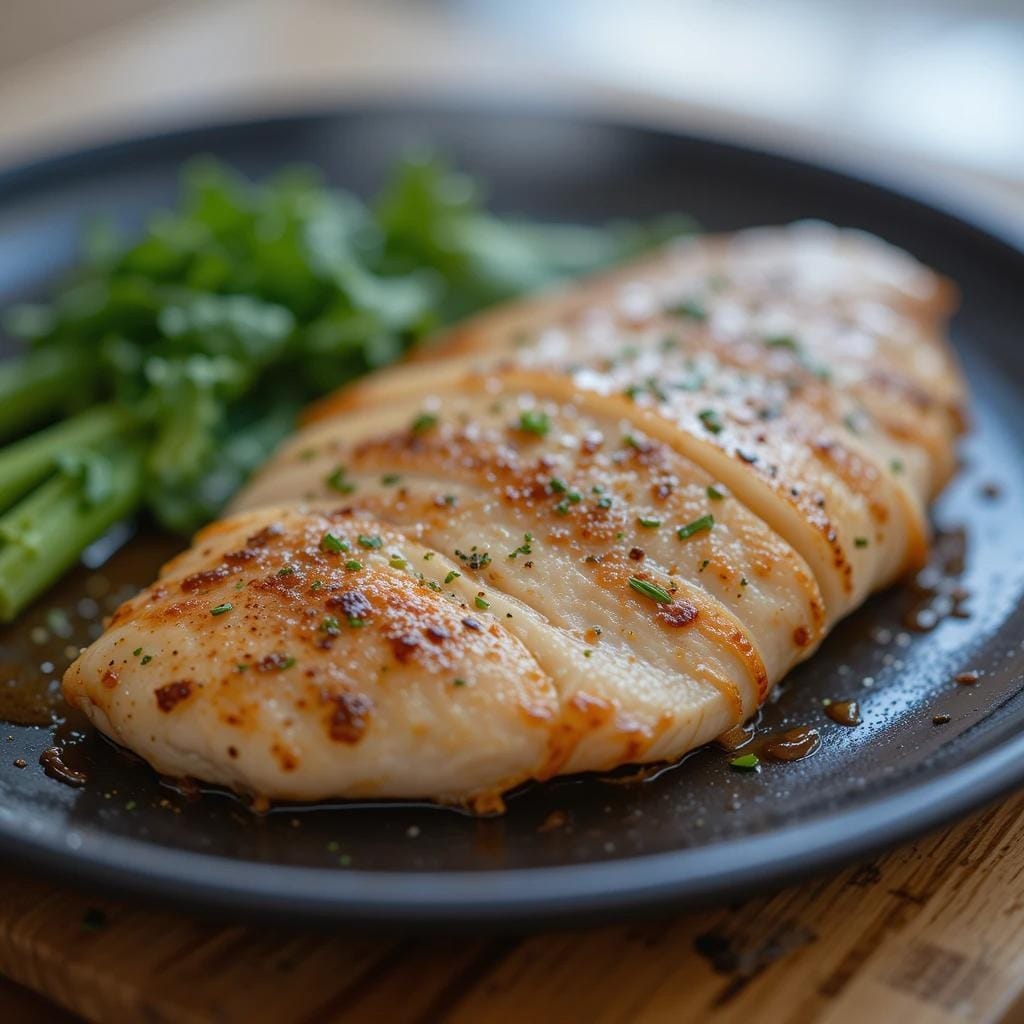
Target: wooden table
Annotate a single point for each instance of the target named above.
(932, 933)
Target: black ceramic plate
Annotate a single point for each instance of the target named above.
(582, 847)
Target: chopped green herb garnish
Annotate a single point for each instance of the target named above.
(481, 603)
(353, 565)
(286, 662)
(697, 526)
(691, 308)
(860, 542)
(524, 548)
(896, 465)
(373, 542)
(286, 570)
(137, 651)
(453, 575)
(240, 584)
(458, 682)
(782, 341)
(397, 562)
(390, 478)
(423, 422)
(651, 590)
(221, 609)
(562, 508)
(241, 667)
(316, 585)
(146, 659)
(745, 762)
(475, 559)
(714, 493)
(534, 421)
(330, 625)
(338, 481)
(853, 423)
(649, 522)
(328, 542)
(557, 485)
(604, 502)
(356, 623)
(710, 420)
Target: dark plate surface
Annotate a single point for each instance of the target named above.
(698, 831)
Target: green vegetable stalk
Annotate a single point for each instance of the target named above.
(42, 536)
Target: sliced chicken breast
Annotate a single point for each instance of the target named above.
(586, 530)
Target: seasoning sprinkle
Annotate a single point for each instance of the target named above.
(534, 421)
(328, 542)
(697, 526)
(524, 548)
(745, 762)
(692, 309)
(338, 481)
(710, 420)
(423, 422)
(651, 590)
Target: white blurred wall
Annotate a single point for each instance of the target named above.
(933, 85)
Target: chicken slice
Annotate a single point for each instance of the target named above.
(277, 663)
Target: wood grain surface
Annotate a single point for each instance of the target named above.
(929, 934)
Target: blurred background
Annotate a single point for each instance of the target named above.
(931, 88)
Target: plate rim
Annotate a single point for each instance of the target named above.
(534, 896)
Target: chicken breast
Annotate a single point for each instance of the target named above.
(582, 531)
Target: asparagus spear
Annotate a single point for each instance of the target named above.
(34, 386)
(43, 534)
(31, 460)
